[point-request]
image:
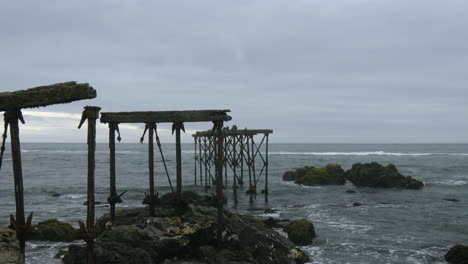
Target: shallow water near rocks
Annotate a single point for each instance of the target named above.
(391, 226)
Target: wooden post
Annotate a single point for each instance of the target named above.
(113, 191)
(177, 126)
(200, 161)
(91, 113)
(219, 180)
(12, 117)
(234, 165)
(151, 127)
(195, 161)
(266, 169)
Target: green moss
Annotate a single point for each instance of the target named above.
(55, 230)
(330, 174)
(252, 219)
(301, 231)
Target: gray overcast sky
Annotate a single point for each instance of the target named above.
(358, 71)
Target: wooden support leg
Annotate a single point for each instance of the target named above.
(113, 191)
(219, 180)
(177, 127)
(12, 118)
(91, 113)
(152, 198)
(266, 169)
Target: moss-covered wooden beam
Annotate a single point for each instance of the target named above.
(166, 116)
(58, 93)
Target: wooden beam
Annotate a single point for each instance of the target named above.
(235, 132)
(166, 116)
(58, 93)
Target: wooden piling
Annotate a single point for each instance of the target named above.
(12, 117)
(92, 114)
(112, 183)
(219, 181)
(177, 126)
(151, 200)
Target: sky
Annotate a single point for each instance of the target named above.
(314, 71)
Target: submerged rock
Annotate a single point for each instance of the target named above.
(9, 247)
(332, 174)
(53, 230)
(457, 255)
(185, 232)
(300, 232)
(375, 175)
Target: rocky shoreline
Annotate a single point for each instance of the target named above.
(184, 232)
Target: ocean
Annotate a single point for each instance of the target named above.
(391, 225)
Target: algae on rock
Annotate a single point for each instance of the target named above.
(301, 232)
(375, 175)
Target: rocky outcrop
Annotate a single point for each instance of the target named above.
(9, 247)
(332, 174)
(301, 232)
(457, 255)
(53, 230)
(185, 232)
(375, 175)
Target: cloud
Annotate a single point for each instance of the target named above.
(315, 71)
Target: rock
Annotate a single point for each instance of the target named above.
(301, 232)
(457, 255)
(185, 232)
(357, 204)
(54, 194)
(350, 191)
(53, 230)
(451, 200)
(296, 174)
(9, 247)
(276, 223)
(332, 174)
(375, 175)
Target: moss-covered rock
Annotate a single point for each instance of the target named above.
(9, 247)
(296, 174)
(375, 175)
(187, 234)
(53, 230)
(457, 255)
(300, 232)
(332, 174)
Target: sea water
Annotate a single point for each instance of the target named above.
(391, 225)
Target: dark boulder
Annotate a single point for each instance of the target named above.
(301, 232)
(332, 174)
(296, 174)
(375, 175)
(457, 255)
(53, 230)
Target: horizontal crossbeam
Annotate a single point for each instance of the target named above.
(166, 116)
(58, 93)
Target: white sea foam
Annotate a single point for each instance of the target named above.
(451, 182)
(355, 153)
(74, 195)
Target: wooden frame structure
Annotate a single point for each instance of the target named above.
(12, 103)
(177, 118)
(240, 152)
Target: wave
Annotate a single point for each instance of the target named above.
(364, 153)
(64, 151)
(451, 182)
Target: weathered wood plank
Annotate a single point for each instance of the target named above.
(58, 93)
(235, 132)
(166, 116)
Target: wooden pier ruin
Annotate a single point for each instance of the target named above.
(241, 154)
(12, 103)
(177, 118)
